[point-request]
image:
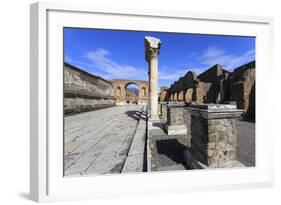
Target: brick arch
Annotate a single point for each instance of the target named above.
(119, 87)
(129, 97)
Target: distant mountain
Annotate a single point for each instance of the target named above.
(134, 90)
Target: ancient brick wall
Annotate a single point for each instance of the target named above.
(188, 95)
(182, 89)
(251, 111)
(237, 93)
(249, 81)
(164, 96)
(84, 91)
(202, 91)
(217, 85)
(212, 74)
(180, 96)
(121, 92)
(242, 87)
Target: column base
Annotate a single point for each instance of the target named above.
(154, 119)
(176, 129)
(192, 162)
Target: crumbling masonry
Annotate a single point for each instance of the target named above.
(216, 85)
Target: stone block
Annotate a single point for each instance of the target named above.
(213, 135)
(175, 114)
(176, 129)
(163, 110)
(174, 120)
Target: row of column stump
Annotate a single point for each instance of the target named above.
(210, 129)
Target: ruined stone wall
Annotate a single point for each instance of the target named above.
(237, 94)
(251, 111)
(212, 74)
(188, 95)
(202, 92)
(180, 96)
(84, 91)
(242, 87)
(202, 89)
(164, 94)
(182, 90)
(217, 85)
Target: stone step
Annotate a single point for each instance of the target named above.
(135, 159)
(172, 167)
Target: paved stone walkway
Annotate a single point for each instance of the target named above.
(246, 142)
(98, 142)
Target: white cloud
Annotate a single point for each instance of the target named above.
(100, 59)
(212, 52)
(68, 59)
(191, 55)
(213, 55)
(171, 74)
(101, 63)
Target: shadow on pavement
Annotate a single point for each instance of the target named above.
(135, 114)
(172, 149)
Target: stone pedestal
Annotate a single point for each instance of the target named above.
(175, 119)
(163, 112)
(152, 48)
(213, 136)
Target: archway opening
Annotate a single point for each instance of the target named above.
(132, 93)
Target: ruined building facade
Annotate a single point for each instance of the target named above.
(84, 91)
(216, 85)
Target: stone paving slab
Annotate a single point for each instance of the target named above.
(246, 142)
(98, 142)
(134, 163)
(136, 155)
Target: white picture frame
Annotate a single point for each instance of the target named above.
(46, 179)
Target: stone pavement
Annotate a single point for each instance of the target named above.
(136, 159)
(246, 142)
(98, 142)
(113, 140)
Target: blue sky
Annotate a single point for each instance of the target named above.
(114, 54)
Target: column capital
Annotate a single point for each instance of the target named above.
(152, 47)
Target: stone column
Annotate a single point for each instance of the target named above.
(148, 99)
(152, 48)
